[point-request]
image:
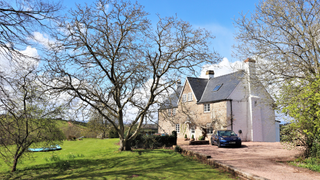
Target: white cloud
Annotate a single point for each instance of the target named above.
(43, 39)
(11, 66)
(222, 68)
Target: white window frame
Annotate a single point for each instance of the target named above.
(189, 96)
(184, 97)
(178, 128)
(206, 107)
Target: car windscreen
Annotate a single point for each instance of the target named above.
(227, 133)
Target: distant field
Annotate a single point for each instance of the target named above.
(100, 159)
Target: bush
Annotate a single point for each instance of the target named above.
(72, 138)
(185, 136)
(113, 133)
(174, 133)
(201, 138)
(177, 149)
(153, 141)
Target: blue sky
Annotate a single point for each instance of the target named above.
(215, 15)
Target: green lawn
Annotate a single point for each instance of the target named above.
(310, 163)
(100, 159)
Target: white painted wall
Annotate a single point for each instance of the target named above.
(263, 126)
(277, 131)
(239, 111)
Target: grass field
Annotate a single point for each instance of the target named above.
(100, 159)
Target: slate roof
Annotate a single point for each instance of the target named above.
(229, 83)
(203, 89)
(172, 100)
(198, 85)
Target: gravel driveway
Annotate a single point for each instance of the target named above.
(260, 158)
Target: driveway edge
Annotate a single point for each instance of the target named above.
(214, 163)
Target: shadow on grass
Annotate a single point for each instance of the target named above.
(148, 164)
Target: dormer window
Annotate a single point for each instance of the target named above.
(217, 87)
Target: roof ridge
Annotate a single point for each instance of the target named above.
(198, 78)
(217, 76)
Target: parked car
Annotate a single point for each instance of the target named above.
(225, 138)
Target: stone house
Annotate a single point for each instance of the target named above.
(236, 101)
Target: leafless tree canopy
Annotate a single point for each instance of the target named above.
(284, 37)
(19, 19)
(112, 58)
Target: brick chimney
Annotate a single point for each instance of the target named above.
(210, 74)
(250, 66)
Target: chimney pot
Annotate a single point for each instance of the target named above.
(210, 73)
(249, 60)
(251, 66)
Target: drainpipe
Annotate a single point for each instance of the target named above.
(231, 114)
(250, 72)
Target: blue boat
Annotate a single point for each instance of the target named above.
(51, 148)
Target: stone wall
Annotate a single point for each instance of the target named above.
(190, 114)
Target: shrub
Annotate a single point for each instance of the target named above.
(174, 133)
(192, 137)
(177, 149)
(185, 136)
(72, 138)
(153, 141)
(113, 133)
(201, 138)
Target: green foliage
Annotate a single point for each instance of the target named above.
(309, 163)
(185, 136)
(174, 133)
(303, 106)
(201, 138)
(153, 141)
(113, 133)
(178, 149)
(192, 137)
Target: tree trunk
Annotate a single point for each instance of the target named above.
(125, 145)
(14, 167)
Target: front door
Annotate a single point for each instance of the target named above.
(192, 132)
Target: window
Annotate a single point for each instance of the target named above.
(209, 130)
(172, 112)
(193, 130)
(190, 96)
(206, 107)
(217, 87)
(178, 128)
(184, 98)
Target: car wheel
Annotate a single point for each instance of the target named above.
(219, 145)
(212, 143)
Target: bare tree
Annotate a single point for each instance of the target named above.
(98, 124)
(283, 37)
(26, 117)
(18, 21)
(115, 61)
